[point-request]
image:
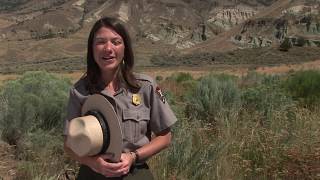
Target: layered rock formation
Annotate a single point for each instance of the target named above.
(293, 23)
(180, 23)
(156, 26)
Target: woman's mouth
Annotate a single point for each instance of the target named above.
(108, 58)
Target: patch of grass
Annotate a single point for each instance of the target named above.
(67, 64)
(31, 118)
(269, 137)
(305, 86)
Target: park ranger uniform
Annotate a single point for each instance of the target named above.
(142, 113)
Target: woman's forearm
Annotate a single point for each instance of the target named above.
(158, 143)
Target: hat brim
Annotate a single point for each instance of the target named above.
(99, 103)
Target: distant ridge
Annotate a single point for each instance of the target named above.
(40, 30)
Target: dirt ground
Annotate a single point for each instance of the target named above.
(286, 68)
(200, 71)
(238, 71)
(8, 164)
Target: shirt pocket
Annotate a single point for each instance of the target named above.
(135, 123)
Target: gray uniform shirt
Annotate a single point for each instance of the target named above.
(149, 113)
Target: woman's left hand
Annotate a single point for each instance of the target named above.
(127, 160)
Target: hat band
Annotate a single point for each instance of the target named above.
(105, 129)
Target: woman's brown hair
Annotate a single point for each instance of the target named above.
(125, 74)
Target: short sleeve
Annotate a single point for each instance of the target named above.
(73, 109)
(162, 116)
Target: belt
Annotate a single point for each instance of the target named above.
(139, 166)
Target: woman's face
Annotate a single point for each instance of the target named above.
(108, 49)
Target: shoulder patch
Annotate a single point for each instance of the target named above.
(160, 94)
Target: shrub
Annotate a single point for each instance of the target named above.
(305, 86)
(266, 98)
(190, 156)
(286, 44)
(159, 78)
(268, 138)
(35, 101)
(300, 41)
(180, 84)
(214, 97)
(45, 161)
(180, 77)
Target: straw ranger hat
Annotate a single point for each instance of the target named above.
(97, 131)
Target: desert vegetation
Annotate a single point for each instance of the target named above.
(253, 57)
(251, 127)
(254, 127)
(32, 110)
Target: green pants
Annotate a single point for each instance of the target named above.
(141, 172)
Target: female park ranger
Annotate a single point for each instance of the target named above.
(138, 102)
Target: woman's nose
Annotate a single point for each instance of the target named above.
(108, 47)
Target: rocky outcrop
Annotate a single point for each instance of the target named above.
(251, 41)
(48, 19)
(179, 23)
(302, 41)
(293, 22)
(229, 17)
(196, 29)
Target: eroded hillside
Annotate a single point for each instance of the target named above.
(53, 33)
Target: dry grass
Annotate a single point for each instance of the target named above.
(239, 71)
(314, 65)
(7, 77)
(7, 163)
(248, 145)
(197, 72)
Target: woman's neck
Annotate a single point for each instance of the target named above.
(111, 81)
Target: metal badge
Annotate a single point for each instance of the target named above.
(161, 96)
(136, 99)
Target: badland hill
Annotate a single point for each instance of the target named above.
(53, 33)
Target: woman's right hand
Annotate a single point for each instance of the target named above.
(101, 166)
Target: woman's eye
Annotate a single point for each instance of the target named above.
(117, 42)
(99, 42)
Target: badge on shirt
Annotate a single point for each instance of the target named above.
(160, 94)
(136, 99)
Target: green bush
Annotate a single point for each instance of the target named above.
(305, 86)
(45, 161)
(286, 44)
(180, 77)
(37, 100)
(266, 137)
(266, 98)
(301, 41)
(180, 84)
(214, 97)
(190, 156)
(159, 78)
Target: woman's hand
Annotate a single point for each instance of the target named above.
(127, 159)
(101, 166)
(108, 169)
